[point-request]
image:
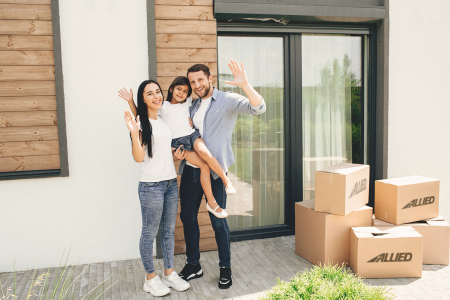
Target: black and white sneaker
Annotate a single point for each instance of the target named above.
(225, 278)
(191, 271)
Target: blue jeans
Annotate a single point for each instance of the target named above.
(191, 194)
(159, 205)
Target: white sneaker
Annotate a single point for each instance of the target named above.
(155, 286)
(222, 214)
(174, 281)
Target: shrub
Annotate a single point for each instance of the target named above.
(326, 282)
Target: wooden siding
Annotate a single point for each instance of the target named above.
(185, 35)
(28, 120)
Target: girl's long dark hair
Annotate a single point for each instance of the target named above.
(142, 112)
(180, 80)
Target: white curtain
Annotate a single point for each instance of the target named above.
(257, 141)
(330, 64)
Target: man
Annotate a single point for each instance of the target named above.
(214, 113)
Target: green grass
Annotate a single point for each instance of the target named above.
(327, 282)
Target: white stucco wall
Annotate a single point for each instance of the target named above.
(96, 208)
(419, 97)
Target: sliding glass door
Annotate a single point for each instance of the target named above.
(331, 103)
(315, 89)
(257, 141)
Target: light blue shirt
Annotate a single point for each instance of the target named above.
(218, 125)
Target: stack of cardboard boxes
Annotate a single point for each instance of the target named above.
(337, 227)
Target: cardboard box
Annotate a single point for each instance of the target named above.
(386, 252)
(342, 188)
(406, 199)
(436, 239)
(325, 238)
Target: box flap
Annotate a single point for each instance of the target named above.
(343, 168)
(385, 232)
(408, 180)
(365, 207)
(307, 203)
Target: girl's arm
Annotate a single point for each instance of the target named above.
(128, 96)
(134, 126)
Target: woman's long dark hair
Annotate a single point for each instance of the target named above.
(180, 80)
(142, 112)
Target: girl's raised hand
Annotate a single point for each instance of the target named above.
(133, 125)
(127, 95)
(240, 77)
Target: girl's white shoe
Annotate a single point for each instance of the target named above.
(222, 214)
(230, 190)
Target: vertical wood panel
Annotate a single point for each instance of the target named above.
(29, 138)
(185, 35)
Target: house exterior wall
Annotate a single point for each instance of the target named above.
(104, 47)
(96, 209)
(419, 106)
(186, 35)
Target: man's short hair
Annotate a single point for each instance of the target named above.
(199, 67)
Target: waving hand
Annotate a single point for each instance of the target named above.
(240, 77)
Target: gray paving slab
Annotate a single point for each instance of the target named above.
(256, 265)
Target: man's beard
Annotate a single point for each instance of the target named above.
(205, 90)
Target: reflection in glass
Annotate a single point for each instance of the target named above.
(331, 103)
(258, 141)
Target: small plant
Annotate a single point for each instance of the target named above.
(326, 282)
(63, 280)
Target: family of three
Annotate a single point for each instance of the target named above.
(198, 133)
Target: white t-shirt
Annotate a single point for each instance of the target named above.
(199, 117)
(176, 117)
(159, 167)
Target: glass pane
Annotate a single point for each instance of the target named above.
(331, 101)
(258, 141)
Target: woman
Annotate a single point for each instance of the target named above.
(158, 189)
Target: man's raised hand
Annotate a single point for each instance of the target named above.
(240, 77)
(127, 95)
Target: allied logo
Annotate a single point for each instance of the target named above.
(419, 202)
(359, 187)
(392, 257)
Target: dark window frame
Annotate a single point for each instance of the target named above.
(60, 110)
(293, 90)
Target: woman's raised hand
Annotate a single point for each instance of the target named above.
(240, 77)
(127, 95)
(133, 125)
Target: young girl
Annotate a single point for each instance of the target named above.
(175, 113)
(158, 188)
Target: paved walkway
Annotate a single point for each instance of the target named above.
(256, 265)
